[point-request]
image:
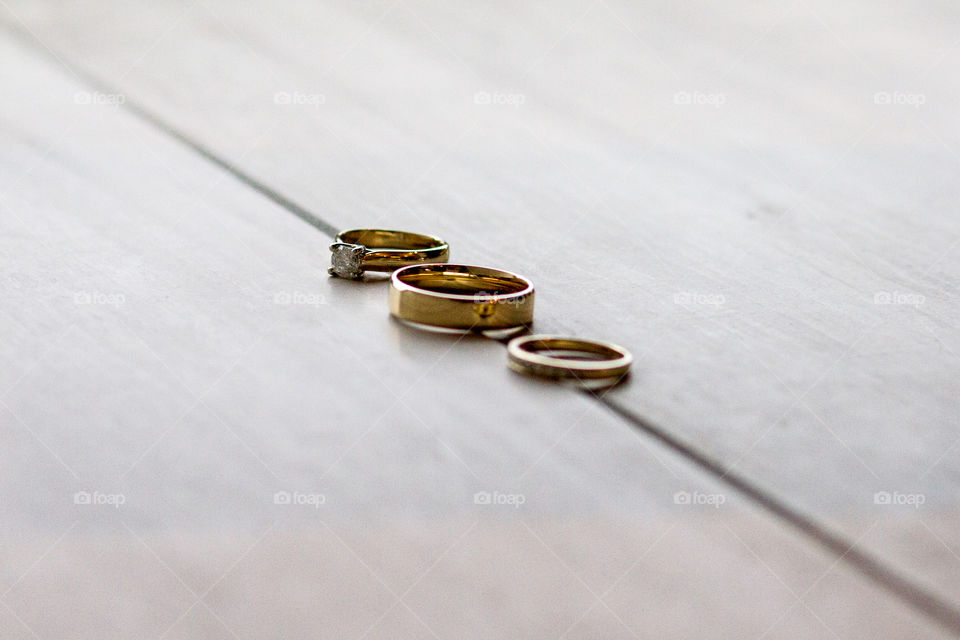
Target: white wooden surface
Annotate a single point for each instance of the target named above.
(797, 201)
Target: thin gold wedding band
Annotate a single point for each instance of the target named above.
(356, 251)
(457, 296)
(561, 357)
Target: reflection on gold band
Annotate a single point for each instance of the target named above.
(461, 297)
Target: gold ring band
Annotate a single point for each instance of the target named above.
(457, 296)
(356, 251)
(561, 357)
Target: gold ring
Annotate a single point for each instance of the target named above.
(457, 296)
(356, 251)
(560, 357)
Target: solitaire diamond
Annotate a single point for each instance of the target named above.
(347, 260)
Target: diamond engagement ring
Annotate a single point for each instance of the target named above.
(357, 251)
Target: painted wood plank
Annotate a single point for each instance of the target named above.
(757, 200)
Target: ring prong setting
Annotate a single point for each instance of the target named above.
(347, 260)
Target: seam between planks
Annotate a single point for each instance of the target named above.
(151, 118)
(925, 601)
(902, 588)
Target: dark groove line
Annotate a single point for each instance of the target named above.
(924, 601)
(156, 121)
(941, 611)
(244, 177)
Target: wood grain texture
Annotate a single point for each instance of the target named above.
(737, 249)
(154, 357)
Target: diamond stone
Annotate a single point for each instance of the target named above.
(347, 260)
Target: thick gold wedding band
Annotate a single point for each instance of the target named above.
(358, 250)
(457, 296)
(561, 357)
